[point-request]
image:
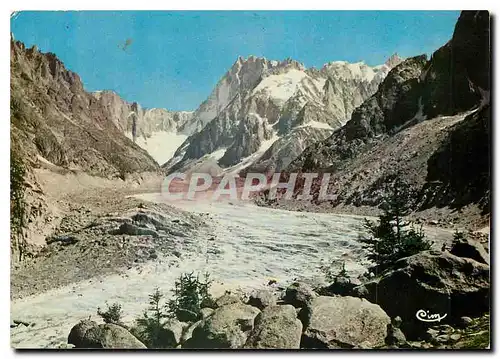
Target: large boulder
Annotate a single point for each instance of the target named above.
(227, 327)
(341, 286)
(186, 315)
(344, 322)
(227, 299)
(77, 334)
(206, 312)
(430, 283)
(173, 332)
(188, 332)
(276, 327)
(299, 295)
(104, 336)
(261, 299)
(470, 248)
(395, 337)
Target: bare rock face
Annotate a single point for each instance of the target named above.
(243, 75)
(437, 283)
(139, 122)
(227, 327)
(385, 110)
(276, 327)
(458, 172)
(460, 86)
(344, 322)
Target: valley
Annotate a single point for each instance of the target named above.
(405, 145)
(241, 245)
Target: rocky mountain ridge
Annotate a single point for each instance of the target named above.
(157, 130)
(263, 113)
(137, 121)
(54, 117)
(426, 123)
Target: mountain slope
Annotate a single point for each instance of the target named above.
(57, 125)
(264, 113)
(427, 122)
(156, 130)
(54, 117)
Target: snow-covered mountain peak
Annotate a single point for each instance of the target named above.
(258, 100)
(349, 71)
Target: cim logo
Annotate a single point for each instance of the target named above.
(425, 316)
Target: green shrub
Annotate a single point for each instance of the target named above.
(17, 203)
(190, 295)
(113, 313)
(17, 187)
(331, 275)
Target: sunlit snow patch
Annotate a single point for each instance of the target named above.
(161, 145)
(282, 86)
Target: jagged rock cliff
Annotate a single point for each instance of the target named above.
(157, 130)
(427, 122)
(264, 113)
(54, 117)
(139, 121)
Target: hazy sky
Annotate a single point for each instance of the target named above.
(174, 59)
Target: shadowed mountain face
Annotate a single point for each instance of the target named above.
(448, 96)
(462, 164)
(54, 117)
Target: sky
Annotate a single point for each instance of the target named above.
(174, 59)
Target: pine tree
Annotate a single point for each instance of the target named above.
(150, 328)
(190, 295)
(391, 239)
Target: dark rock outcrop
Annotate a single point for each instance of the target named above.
(469, 248)
(299, 295)
(458, 173)
(454, 169)
(437, 283)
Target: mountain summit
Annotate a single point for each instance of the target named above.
(263, 113)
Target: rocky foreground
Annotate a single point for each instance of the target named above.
(396, 309)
